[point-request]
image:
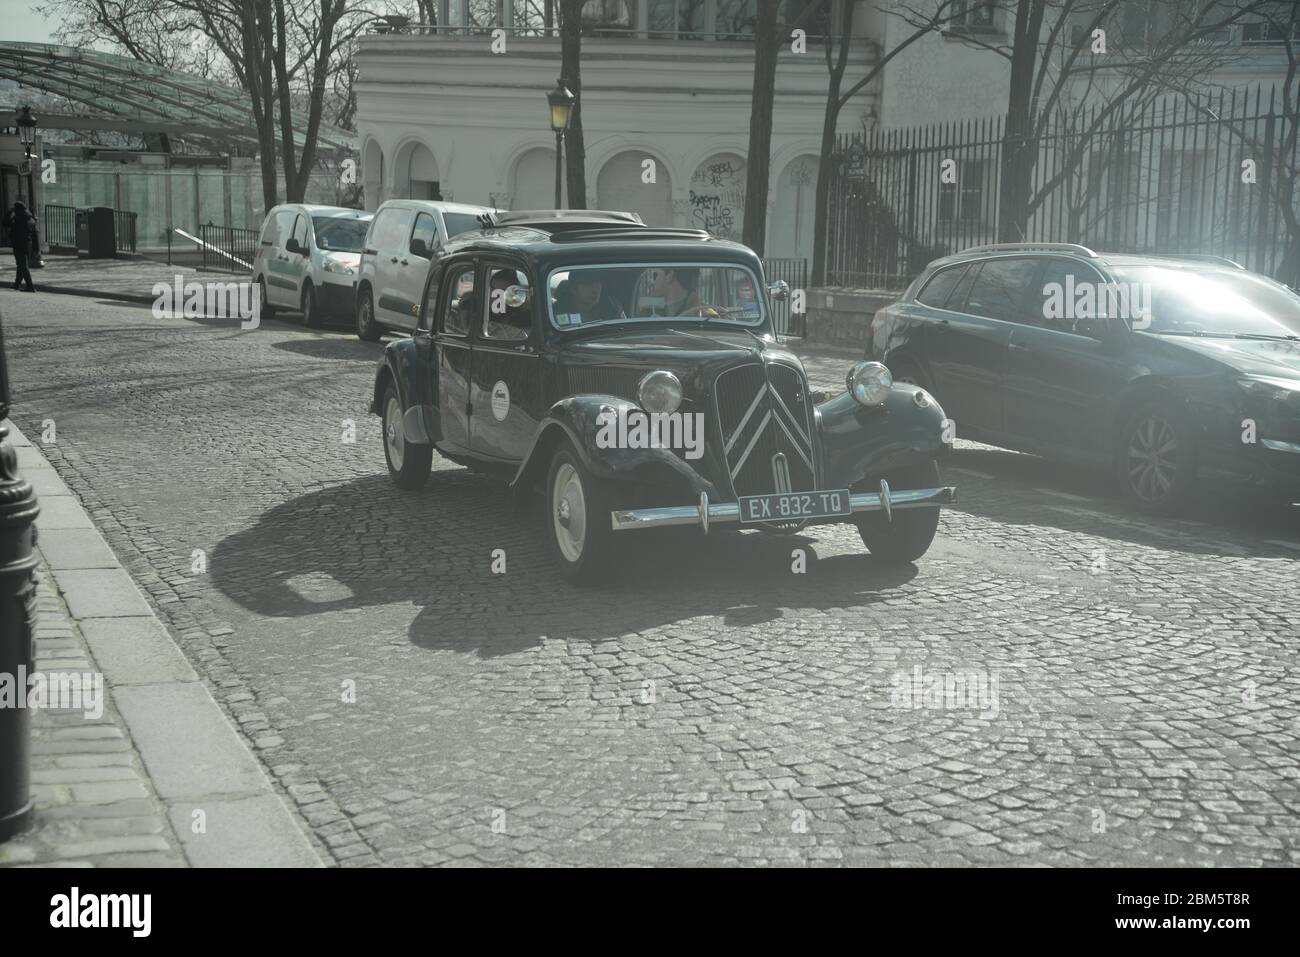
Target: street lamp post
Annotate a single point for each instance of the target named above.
(18, 512)
(25, 120)
(561, 102)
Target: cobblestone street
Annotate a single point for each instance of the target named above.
(1141, 705)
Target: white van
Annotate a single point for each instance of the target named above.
(402, 239)
(307, 260)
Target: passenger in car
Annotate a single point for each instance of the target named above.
(583, 295)
(679, 288)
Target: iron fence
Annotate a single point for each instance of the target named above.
(60, 228)
(785, 321)
(1211, 175)
(124, 222)
(228, 247)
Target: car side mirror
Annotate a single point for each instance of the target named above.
(779, 290)
(293, 246)
(420, 248)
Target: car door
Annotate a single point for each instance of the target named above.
(281, 284)
(298, 260)
(506, 390)
(969, 366)
(1060, 368)
(460, 309)
(395, 302)
(412, 267)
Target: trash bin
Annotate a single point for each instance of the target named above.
(96, 232)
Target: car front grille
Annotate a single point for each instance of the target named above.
(766, 427)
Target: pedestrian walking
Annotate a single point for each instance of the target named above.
(20, 224)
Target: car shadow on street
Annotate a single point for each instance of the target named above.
(485, 583)
(333, 347)
(1222, 520)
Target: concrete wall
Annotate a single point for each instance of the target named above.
(478, 121)
(839, 317)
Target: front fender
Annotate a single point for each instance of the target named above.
(402, 365)
(577, 418)
(858, 441)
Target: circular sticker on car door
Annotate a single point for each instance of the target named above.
(500, 401)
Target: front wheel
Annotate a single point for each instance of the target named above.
(265, 310)
(1155, 458)
(311, 317)
(577, 519)
(408, 462)
(367, 329)
(908, 536)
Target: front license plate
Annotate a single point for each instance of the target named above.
(794, 506)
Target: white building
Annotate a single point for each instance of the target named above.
(665, 115)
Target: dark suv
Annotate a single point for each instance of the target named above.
(1168, 370)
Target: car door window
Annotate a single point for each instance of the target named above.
(999, 291)
(398, 238)
(426, 230)
(1058, 293)
(300, 231)
(506, 318)
(271, 231)
(429, 308)
(463, 306)
(938, 291)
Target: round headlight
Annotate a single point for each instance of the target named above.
(869, 382)
(659, 391)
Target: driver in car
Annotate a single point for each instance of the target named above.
(679, 288)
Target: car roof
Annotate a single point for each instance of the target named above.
(437, 204)
(1197, 262)
(317, 208)
(579, 241)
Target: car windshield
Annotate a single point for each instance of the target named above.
(591, 294)
(340, 234)
(458, 223)
(1218, 302)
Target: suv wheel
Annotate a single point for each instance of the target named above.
(311, 317)
(408, 462)
(1155, 457)
(577, 519)
(908, 536)
(367, 329)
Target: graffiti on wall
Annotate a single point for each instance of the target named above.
(717, 196)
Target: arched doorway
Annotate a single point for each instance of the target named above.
(621, 186)
(415, 174)
(790, 228)
(532, 182)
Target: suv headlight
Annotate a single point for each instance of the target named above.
(659, 391)
(869, 383)
(340, 267)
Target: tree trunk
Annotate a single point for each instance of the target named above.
(1017, 148)
(825, 163)
(258, 77)
(575, 149)
(758, 161)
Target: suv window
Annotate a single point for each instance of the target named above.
(504, 321)
(271, 230)
(462, 303)
(426, 229)
(1051, 300)
(999, 290)
(458, 223)
(939, 289)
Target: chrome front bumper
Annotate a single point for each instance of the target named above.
(705, 513)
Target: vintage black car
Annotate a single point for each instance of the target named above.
(631, 374)
(1167, 370)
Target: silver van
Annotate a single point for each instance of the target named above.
(307, 260)
(402, 239)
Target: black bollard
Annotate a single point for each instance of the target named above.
(18, 512)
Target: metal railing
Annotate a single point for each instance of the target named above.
(785, 321)
(124, 224)
(60, 228)
(1165, 176)
(228, 247)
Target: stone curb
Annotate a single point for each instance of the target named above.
(194, 757)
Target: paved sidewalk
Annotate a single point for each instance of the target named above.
(160, 778)
(128, 280)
